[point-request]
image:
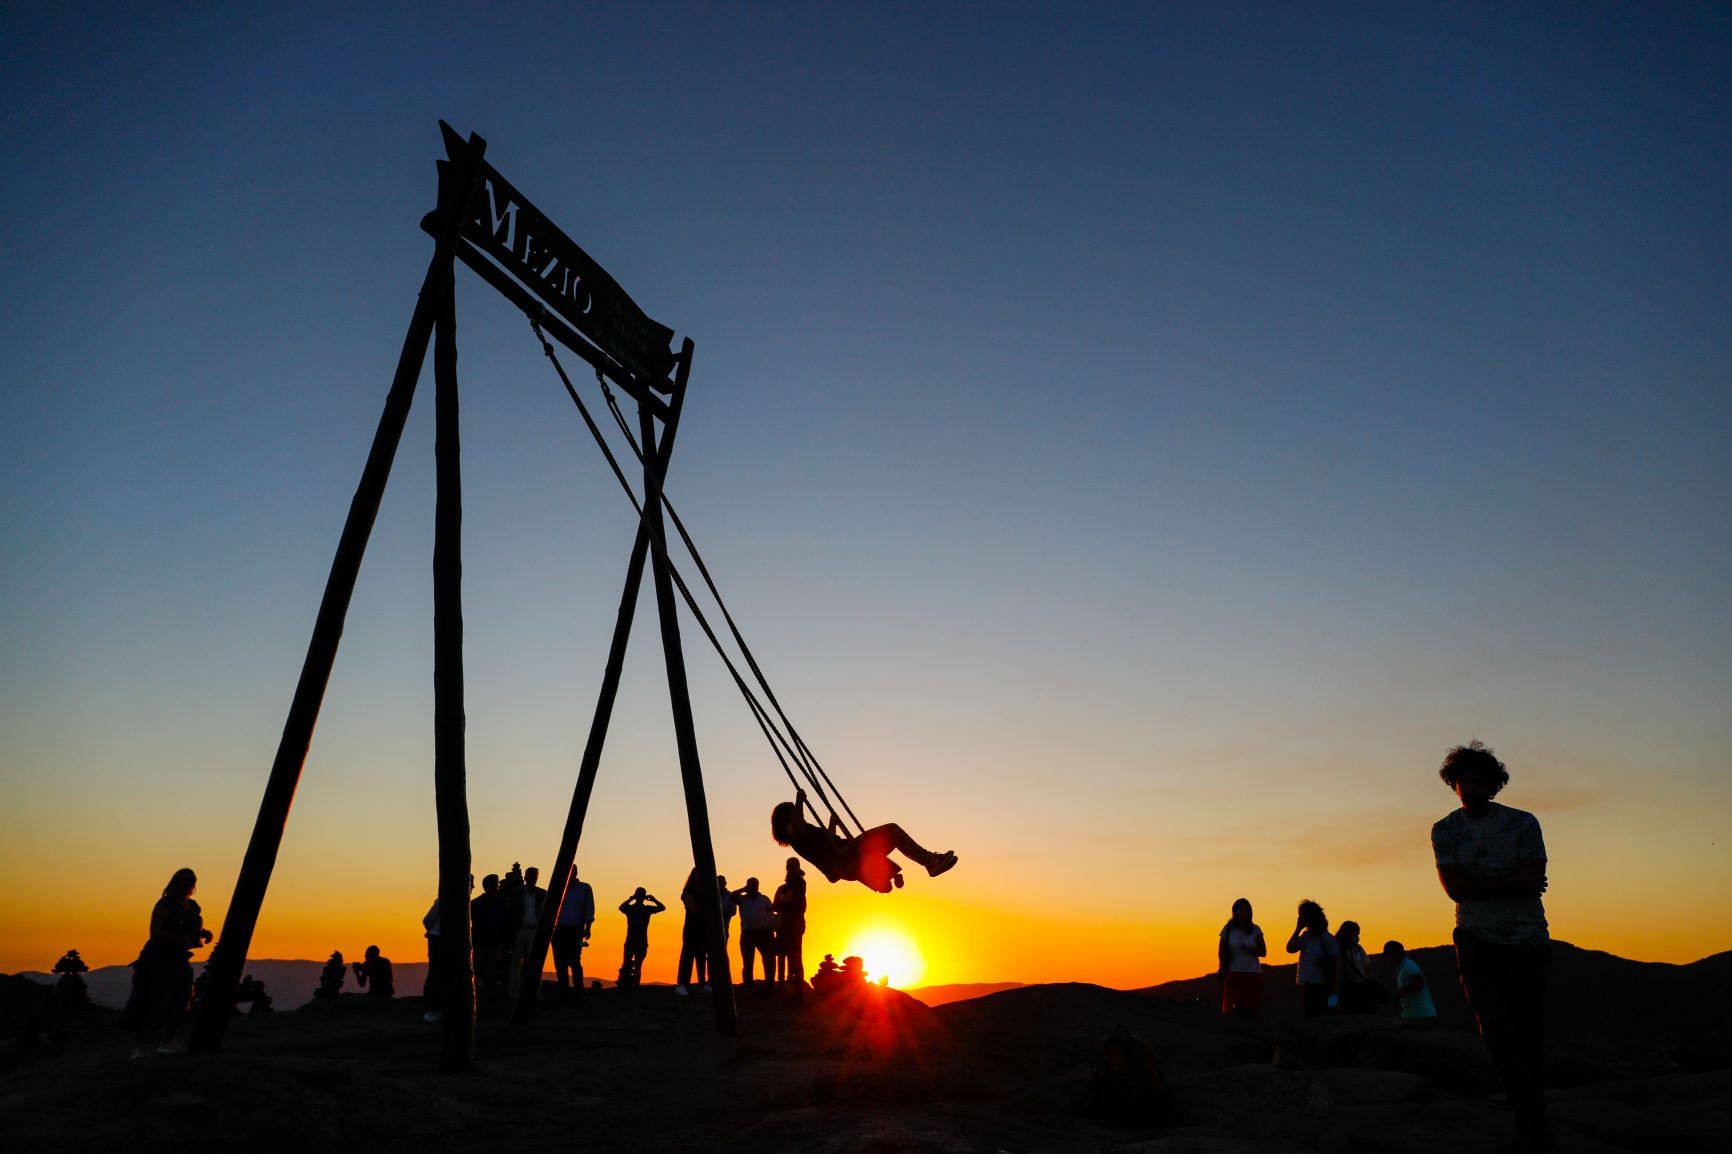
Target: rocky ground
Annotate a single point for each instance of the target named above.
(643, 1070)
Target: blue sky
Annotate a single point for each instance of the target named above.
(1111, 424)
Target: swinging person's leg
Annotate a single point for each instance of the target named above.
(880, 840)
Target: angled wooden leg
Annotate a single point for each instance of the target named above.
(685, 735)
(457, 986)
(568, 842)
(223, 973)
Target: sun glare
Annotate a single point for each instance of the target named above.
(888, 953)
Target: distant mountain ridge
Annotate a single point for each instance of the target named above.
(1590, 990)
(958, 991)
(289, 982)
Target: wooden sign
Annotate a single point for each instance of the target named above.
(521, 240)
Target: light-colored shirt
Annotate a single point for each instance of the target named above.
(1315, 967)
(1490, 849)
(1418, 1004)
(1242, 949)
(754, 912)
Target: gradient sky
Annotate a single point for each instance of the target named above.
(1138, 441)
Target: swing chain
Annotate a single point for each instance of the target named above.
(796, 747)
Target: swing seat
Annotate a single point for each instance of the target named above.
(879, 874)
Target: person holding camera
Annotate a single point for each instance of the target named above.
(374, 974)
(638, 910)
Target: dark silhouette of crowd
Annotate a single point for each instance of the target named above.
(1490, 858)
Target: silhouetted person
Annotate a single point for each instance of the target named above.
(511, 899)
(728, 908)
(864, 859)
(71, 988)
(790, 906)
(430, 991)
(162, 973)
(570, 935)
(433, 988)
(1319, 970)
(1413, 996)
(331, 977)
(638, 910)
(694, 955)
(1359, 990)
(529, 914)
(1491, 860)
(374, 974)
(1240, 953)
(757, 935)
(487, 931)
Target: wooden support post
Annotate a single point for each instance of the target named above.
(685, 734)
(228, 960)
(567, 852)
(457, 981)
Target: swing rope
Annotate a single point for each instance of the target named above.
(778, 742)
(808, 760)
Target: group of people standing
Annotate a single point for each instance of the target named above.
(1334, 972)
(1491, 861)
(772, 932)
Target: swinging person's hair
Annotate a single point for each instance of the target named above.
(782, 819)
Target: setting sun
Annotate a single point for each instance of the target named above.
(888, 953)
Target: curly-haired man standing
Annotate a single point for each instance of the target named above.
(1492, 860)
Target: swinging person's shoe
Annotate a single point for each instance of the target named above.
(945, 862)
(896, 880)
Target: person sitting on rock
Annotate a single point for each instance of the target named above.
(864, 859)
(331, 977)
(1413, 996)
(374, 974)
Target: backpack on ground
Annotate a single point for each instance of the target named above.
(1126, 1084)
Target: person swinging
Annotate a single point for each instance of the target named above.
(864, 859)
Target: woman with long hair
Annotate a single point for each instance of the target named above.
(1360, 992)
(162, 973)
(1240, 951)
(693, 955)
